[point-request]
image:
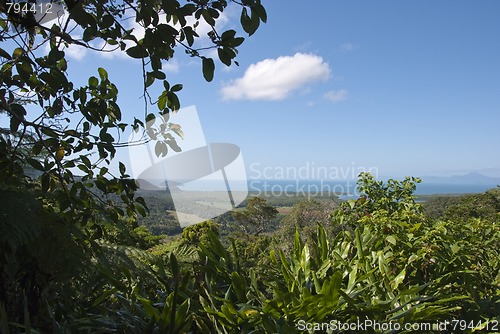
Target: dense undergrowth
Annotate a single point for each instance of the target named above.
(379, 258)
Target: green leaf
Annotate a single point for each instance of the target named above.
(137, 52)
(4, 54)
(455, 248)
(62, 65)
(391, 239)
(224, 56)
(45, 181)
(122, 168)
(412, 258)
(86, 161)
(18, 113)
(176, 88)
(79, 14)
(148, 307)
(107, 21)
(35, 164)
(55, 55)
(305, 262)
(150, 118)
(261, 12)
(162, 101)
(239, 286)
(49, 132)
(399, 279)
(106, 137)
(237, 42)
(17, 52)
(167, 30)
(140, 209)
(228, 35)
(250, 23)
(245, 20)
(173, 101)
(208, 67)
(93, 82)
(89, 34)
(176, 128)
(102, 172)
(174, 265)
(352, 278)
(149, 80)
(24, 69)
(158, 75)
(173, 145)
(255, 22)
(37, 148)
(102, 73)
(160, 149)
(189, 34)
(208, 17)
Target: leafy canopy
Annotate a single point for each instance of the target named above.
(64, 239)
(55, 125)
(256, 215)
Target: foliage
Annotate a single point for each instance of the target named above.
(436, 206)
(252, 252)
(69, 227)
(304, 218)
(142, 238)
(389, 264)
(484, 206)
(194, 234)
(160, 218)
(256, 216)
(49, 113)
(384, 262)
(40, 262)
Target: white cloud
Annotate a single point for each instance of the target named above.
(76, 52)
(304, 47)
(336, 95)
(275, 79)
(347, 47)
(171, 66)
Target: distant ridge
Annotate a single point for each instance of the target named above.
(146, 185)
(470, 178)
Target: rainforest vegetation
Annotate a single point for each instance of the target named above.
(379, 258)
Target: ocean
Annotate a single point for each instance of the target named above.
(347, 188)
(324, 188)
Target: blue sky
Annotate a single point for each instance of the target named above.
(409, 87)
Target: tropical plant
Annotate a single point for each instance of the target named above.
(55, 157)
(256, 218)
